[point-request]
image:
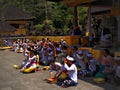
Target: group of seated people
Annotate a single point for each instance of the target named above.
(73, 64)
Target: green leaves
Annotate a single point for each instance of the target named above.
(58, 13)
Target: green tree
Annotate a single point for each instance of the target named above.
(59, 14)
(82, 13)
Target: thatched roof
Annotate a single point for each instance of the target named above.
(14, 13)
(5, 27)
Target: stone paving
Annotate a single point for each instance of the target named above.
(11, 79)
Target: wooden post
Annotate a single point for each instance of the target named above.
(90, 24)
(76, 30)
(75, 17)
(118, 19)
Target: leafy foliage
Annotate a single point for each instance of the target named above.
(60, 15)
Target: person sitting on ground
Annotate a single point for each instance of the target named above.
(92, 65)
(74, 52)
(59, 55)
(106, 64)
(71, 79)
(64, 50)
(80, 63)
(43, 56)
(26, 54)
(31, 64)
(80, 56)
(20, 49)
(63, 53)
(50, 55)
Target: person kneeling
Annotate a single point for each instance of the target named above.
(58, 68)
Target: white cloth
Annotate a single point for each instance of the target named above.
(32, 62)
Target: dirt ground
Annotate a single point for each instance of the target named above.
(12, 79)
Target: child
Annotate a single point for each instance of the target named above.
(57, 67)
(31, 63)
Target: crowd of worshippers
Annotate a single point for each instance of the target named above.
(55, 54)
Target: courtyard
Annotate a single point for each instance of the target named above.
(12, 79)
